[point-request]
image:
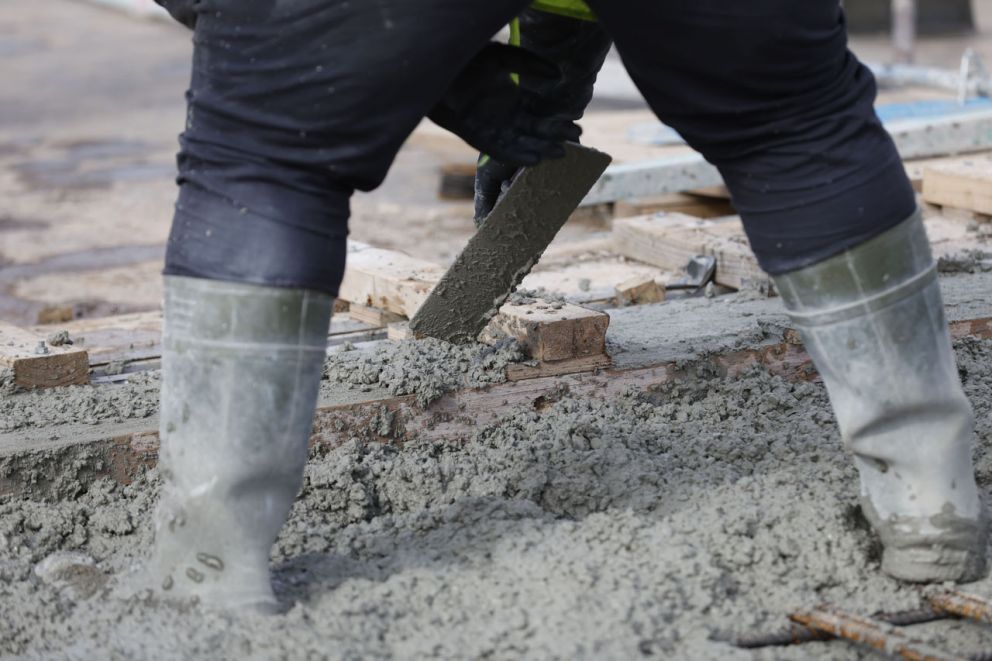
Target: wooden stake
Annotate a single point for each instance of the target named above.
(387, 279)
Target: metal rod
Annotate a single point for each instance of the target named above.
(796, 634)
(871, 633)
(964, 605)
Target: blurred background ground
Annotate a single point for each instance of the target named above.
(90, 107)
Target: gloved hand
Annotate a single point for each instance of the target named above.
(484, 107)
(579, 48)
(181, 10)
(492, 178)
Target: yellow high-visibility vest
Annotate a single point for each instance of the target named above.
(572, 8)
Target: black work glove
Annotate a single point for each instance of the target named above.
(578, 48)
(181, 10)
(492, 178)
(485, 108)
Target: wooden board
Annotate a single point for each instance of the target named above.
(512, 239)
(373, 316)
(593, 280)
(963, 183)
(138, 336)
(551, 331)
(687, 203)
(37, 364)
(123, 337)
(387, 279)
(520, 372)
(669, 241)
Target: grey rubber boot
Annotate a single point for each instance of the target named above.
(873, 321)
(241, 368)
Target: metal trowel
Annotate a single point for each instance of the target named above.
(512, 238)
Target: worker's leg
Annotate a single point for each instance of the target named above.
(769, 93)
(292, 106)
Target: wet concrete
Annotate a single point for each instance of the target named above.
(649, 524)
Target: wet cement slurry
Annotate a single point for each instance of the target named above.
(650, 522)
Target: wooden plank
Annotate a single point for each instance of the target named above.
(639, 290)
(916, 167)
(545, 368)
(593, 279)
(124, 338)
(37, 364)
(692, 205)
(387, 279)
(138, 336)
(669, 241)
(964, 183)
(551, 331)
(373, 316)
(586, 270)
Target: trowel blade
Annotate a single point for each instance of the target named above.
(699, 271)
(514, 236)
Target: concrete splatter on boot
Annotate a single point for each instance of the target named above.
(241, 369)
(873, 321)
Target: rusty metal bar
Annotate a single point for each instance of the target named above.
(962, 604)
(878, 635)
(796, 633)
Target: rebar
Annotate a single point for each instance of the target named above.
(963, 605)
(878, 635)
(795, 634)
